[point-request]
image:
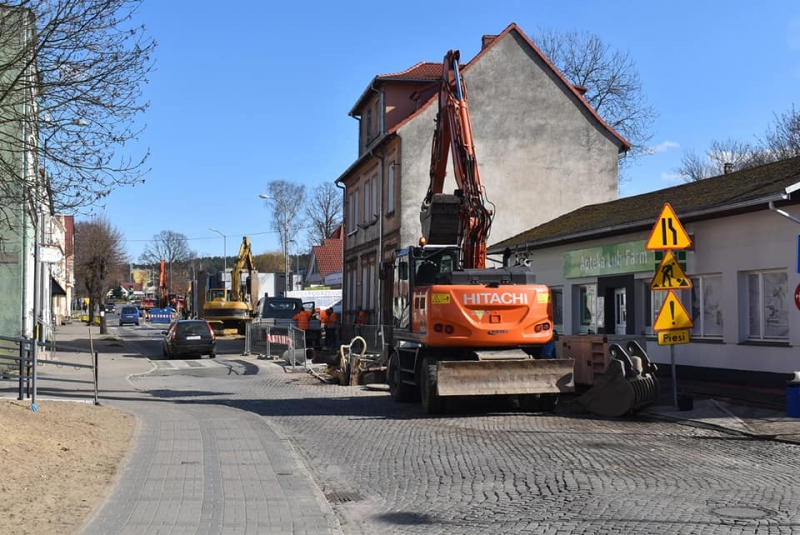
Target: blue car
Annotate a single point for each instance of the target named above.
(129, 314)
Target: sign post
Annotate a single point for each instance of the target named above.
(673, 322)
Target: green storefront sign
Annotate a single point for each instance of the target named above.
(628, 257)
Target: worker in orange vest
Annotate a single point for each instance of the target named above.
(303, 319)
(361, 319)
(331, 328)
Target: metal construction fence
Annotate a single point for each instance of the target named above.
(273, 342)
(22, 358)
(373, 335)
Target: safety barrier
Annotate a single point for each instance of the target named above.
(25, 357)
(286, 342)
(161, 315)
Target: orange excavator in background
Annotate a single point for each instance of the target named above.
(460, 328)
(163, 286)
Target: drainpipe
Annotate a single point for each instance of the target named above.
(344, 231)
(783, 212)
(380, 242)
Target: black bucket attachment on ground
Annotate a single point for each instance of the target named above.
(629, 383)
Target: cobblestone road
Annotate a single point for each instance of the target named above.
(387, 468)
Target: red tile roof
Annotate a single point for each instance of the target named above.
(329, 256)
(424, 70)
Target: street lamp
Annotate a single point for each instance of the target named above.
(224, 258)
(285, 240)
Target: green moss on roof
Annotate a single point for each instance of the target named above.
(717, 195)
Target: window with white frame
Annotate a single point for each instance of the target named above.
(356, 212)
(372, 280)
(656, 301)
(351, 285)
(706, 306)
(390, 189)
(364, 288)
(351, 212)
(366, 202)
(767, 307)
(373, 213)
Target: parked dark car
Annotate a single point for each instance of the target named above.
(189, 338)
(129, 314)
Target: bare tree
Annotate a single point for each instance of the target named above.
(73, 72)
(721, 157)
(172, 247)
(99, 258)
(611, 80)
(782, 138)
(323, 212)
(781, 141)
(286, 200)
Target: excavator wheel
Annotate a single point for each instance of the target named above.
(432, 403)
(529, 402)
(400, 391)
(548, 402)
(537, 402)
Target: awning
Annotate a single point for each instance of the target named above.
(56, 288)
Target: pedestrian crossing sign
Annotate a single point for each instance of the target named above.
(672, 316)
(670, 275)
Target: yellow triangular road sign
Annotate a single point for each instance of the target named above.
(670, 275)
(668, 233)
(672, 316)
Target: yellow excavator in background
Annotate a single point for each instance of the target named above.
(229, 312)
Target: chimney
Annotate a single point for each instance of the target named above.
(727, 168)
(580, 89)
(486, 40)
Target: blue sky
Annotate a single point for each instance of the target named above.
(255, 91)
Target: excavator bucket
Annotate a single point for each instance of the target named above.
(441, 219)
(629, 383)
(504, 377)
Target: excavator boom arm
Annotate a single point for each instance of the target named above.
(453, 134)
(244, 260)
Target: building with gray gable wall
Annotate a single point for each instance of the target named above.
(541, 150)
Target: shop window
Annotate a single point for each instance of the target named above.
(587, 302)
(557, 295)
(706, 306)
(767, 307)
(654, 301)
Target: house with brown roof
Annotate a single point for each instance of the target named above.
(541, 149)
(741, 290)
(325, 264)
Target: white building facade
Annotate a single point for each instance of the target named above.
(744, 268)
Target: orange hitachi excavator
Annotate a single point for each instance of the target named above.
(460, 328)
